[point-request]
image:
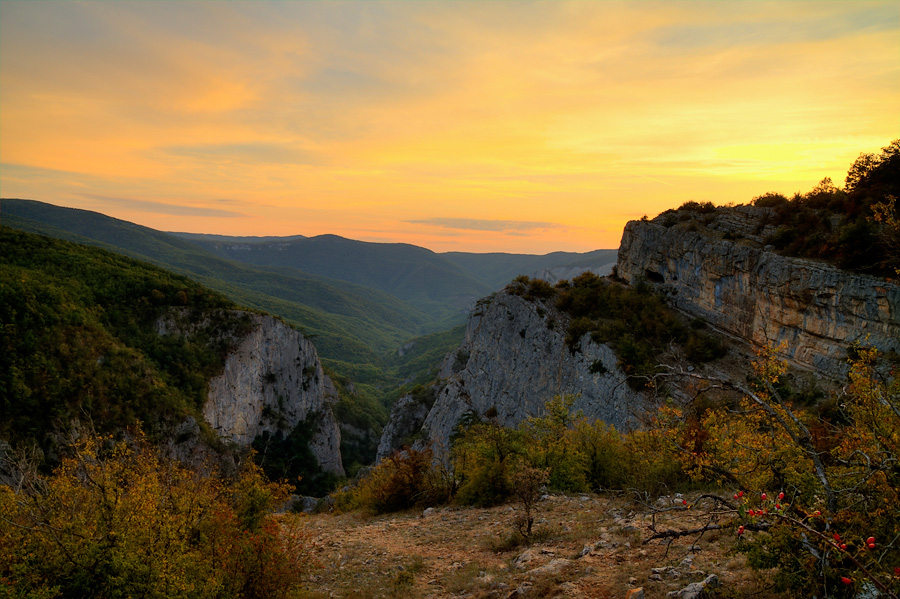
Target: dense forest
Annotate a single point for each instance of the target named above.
(79, 339)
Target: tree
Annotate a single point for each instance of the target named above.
(117, 519)
(817, 496)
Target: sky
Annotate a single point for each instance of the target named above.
(506, 126)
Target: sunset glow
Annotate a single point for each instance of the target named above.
(523, 127)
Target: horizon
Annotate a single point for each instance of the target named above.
(522, 128)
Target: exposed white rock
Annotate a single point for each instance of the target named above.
(816, 309)
(515, 359)
(271, 382)
(407, 416)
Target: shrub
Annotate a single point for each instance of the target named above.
(700, 207)
(116, 519)
(770, 200)
(485, 455)
(400, 481)
(818, 490)
(549, 445)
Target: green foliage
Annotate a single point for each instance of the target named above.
(485, 456)
(116, 519)
(550, 446)
(531, 289)
(79, 338)
(575, 454)
(633, 320)
(290, 458)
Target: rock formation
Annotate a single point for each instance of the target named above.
(718, 270)
(513, 360)
(272, 381)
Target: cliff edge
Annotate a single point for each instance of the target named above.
(272, 381)
(515, 358)
(715, 267)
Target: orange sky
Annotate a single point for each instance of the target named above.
(475, 126)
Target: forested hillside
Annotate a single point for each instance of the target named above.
(79, 339)
(353, 326)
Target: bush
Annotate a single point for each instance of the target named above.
(770, 200)
(485, 455)
(817, 489)
(700, 207)
(400, 481)
(116, 519)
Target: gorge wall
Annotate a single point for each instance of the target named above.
(272, 381)
(715, 267)
(515, 358)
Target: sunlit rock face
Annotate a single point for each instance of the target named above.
(513, 360)
(815, 309)
(272, 381)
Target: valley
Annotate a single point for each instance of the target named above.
(733, 358)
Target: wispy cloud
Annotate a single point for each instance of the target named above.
(162, 207)
(476, 224)
(248, 153)
(330, 117)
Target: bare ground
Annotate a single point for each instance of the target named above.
(582, 546)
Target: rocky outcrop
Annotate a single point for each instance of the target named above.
(718, 271)
(514, 359)
(272, 381)
(406, 419)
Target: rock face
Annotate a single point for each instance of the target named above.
(273, 381)
(817, 310)
(405, 421)
(514, 359)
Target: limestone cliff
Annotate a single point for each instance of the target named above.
(513, 360)
(715, 267)
(272, 381)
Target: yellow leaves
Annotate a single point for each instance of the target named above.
(768, 366)
(119, 518)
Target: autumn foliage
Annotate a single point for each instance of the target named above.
(116, 519)
(818, 495)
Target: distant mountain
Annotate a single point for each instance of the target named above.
(411, 273)
(498, 269)
(360, 301)
(350, 324)
(441, 284)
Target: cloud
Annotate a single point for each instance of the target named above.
(477, 224)
(163, 208)
(248, 153)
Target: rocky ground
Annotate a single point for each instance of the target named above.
(582, 546)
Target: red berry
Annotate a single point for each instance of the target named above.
(870, 541)
(740, 530)
(763, 496)
(684, 502)
(843, 547)
(735, 495)
(871, 545)
(740, 493)
(780, 496)
(817, 513)
(777, 506)
(846, 580)
(837, 537)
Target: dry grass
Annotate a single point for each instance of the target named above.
(583, 546)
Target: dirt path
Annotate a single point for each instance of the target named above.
(583, 546)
